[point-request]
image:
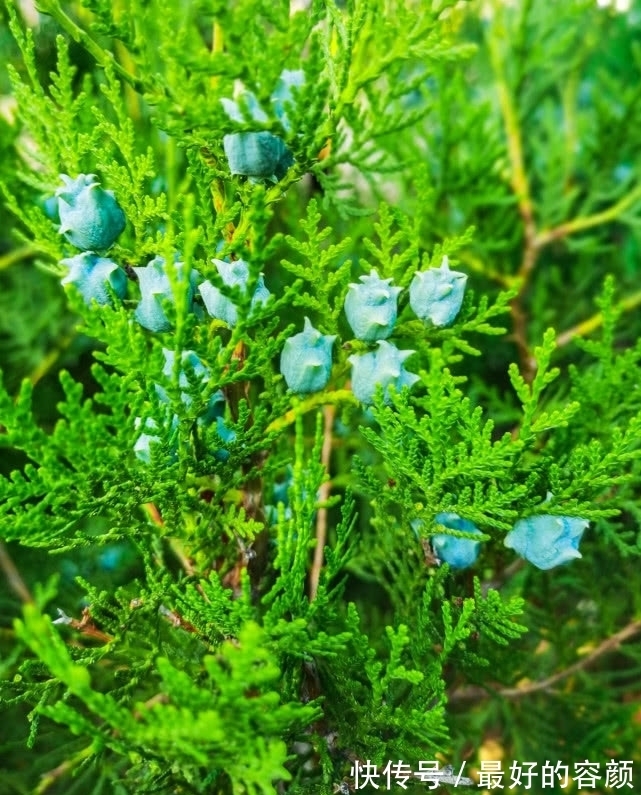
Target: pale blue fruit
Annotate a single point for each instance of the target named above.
(155, 289)
(306, 360)
(384, 368)
(371, 307)
(437, 294)
(459, 553)
(92, 274)
(90, 217)
(547, 541)
(233, 274)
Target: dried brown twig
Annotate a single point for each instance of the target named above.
(609, 644)
(329, 412)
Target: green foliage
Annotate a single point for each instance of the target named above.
(196, 728)
(243, 591)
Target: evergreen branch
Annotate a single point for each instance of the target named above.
(212, 620)
(609, 644)
(521, 188)
(17, 255)
(589, 325)
(519, 178)
(335, 397)
(80, 36)
(547, 236)
(49, 779)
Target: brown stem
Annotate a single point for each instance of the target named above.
(176, 620)
(85, 626)
(519, 336)
(64, 768)
(159, 698)
(14, 579)
(329, 413)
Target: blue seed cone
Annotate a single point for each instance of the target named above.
(261, 155)
(90, 217)
(306, 360)
(233, 274)
(371, 307)
(91, 274)
(547, 541)
(384, 368)
(437, 294)
(459, 553)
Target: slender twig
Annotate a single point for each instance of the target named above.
(153, 514)
(518, 174)
(49, 779)
(504, 576)
(521, 188)
(329, 412)
(176, 546)
(476, 264)
(547, 236)
(534, 240)
(14, 579)
(176, 620)
(217, 47)
(607, 645)
(49, 360)
(124, 57)
(84, 625)
(80, 36)
(159, 698)
(587, 326)
(569, 91)
(308, 404)
(88, 628)
(18, 254)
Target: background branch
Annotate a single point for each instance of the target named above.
(609, 644)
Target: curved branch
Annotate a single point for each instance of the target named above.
(607, 645)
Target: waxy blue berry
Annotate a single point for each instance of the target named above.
(258, 155)
(546, 540)
(91, 274)
(151, 436)
(90, 217)
(282, 95)
(49, 206)
(370, 307)
(437, 294)
(226, 435)
(155, 289)
(233, 274)
(189, 359)
(459, 553)
(384, 368)
(233, 109)
(306, 360)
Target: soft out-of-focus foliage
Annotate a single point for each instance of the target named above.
(166, 622)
